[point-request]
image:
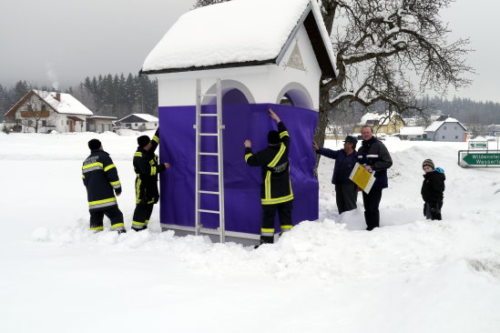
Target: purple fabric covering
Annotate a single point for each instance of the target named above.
(241, 182)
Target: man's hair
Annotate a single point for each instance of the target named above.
(367, 126)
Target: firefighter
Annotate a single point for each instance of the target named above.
(147, 168)
(100, 177)
(276, 189)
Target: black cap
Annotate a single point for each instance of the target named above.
(351, 139)
(143, 140)
(94, 144)
(273, 137)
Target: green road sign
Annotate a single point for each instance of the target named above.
(491, 158)
(478, 144)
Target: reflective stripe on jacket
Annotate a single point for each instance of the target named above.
(147, 168)
(375, 154)
(100, 177)
(276, 186)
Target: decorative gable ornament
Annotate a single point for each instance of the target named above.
(295, 60)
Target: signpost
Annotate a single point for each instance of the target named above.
(478, 145)
(479, 159)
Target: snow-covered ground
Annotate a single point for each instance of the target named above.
(410, 275)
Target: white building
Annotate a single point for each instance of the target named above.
(268, 50)
(448, 129)
(138, 121)
(493, 129)
(42, 111)
(100, 124)
(240, 58)
(412, 133)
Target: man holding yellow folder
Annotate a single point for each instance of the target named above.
(375, 157)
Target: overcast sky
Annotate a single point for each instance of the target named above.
(63, 41)
(66, 40)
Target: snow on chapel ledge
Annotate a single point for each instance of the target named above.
(235, 33)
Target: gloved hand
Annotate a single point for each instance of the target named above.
(118, 191)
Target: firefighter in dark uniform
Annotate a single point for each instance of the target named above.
(100, 177)
(276, 189)
(147, 168)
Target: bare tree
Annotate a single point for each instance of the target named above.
(387, 51)
(203, 3)
(36, 115)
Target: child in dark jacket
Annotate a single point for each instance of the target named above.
(432, 190)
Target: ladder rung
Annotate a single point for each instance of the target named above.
(208, 211)
(208, 173)
(209, 154)
(209, 134)
(208, 114)
(209, 192)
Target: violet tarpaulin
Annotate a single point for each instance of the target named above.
(241, 182)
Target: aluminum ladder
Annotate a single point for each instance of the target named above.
(219, 173)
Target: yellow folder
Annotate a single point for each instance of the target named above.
(362, 177)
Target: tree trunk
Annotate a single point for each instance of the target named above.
(324, 107)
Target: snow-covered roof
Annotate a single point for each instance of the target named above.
(437, 124)
(411, 121)
(369, 116)
(383, 119)
(103, 117)
(66, 104)
(144, 116)
(236, 33)
(411, 130)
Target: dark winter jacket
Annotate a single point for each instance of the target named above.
(375, 154)
(433, 186)
(147, 168)
(276, 187)
(100, 177)
(343, 164)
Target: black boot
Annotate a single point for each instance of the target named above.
(369, 226)
(376, 219)
(265, 240)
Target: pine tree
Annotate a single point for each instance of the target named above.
(3, 101)
(20, 89)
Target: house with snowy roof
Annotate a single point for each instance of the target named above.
(388, 123)
(412, 133)
(493, 129)
(138, 121)
(44, 111)
(100, 123)
(446, 129)
(219, 69)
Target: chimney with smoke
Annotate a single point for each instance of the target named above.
(58, 96)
